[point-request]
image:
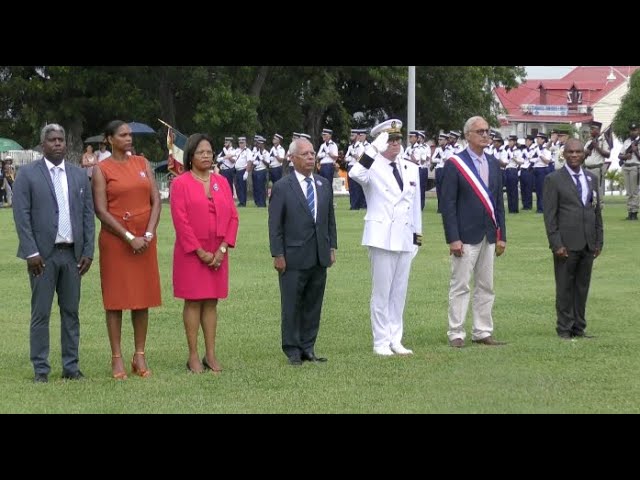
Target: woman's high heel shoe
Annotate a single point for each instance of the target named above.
(120, 375)
(141, 372)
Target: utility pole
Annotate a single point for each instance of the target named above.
(411, 101)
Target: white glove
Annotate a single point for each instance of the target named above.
(379, 145)
(245, 176)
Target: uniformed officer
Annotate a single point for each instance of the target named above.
(437, 161)
(351, 158)
(327, 155)
(526, 173)
(276, 158)
(629, 158)
(259, 172)
(392, 231)
(541, 159)
(514, 160)
(597, 153)
(243, 157)
(227, 160)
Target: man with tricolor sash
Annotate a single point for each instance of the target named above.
(474, 227)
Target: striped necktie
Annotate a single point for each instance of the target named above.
(311, 197)
(64, 221)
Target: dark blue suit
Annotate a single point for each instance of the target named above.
(463, 215)
(306, 246)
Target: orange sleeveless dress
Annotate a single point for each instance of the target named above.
(129, 282)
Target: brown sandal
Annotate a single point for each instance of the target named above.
(141, 372)
(119, 375)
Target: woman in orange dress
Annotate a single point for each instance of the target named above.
(127, 202)
(206, 222)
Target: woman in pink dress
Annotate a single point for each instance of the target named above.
(206, 223)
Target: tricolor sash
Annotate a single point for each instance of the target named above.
(479, 189)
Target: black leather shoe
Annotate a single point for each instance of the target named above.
(311, 357)
(295, 361)
(582, 335)
(41, 378)
(72, 376)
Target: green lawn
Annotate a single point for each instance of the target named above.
(535, 373)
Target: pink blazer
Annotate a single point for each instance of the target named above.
(190, 217)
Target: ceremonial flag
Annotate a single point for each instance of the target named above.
(176, 143)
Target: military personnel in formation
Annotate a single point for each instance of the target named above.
(227, 160)
(526, 173)
(277, 156)
(629, 158)
(597, 153)
(423, 162)
(260, 171)
(327, 155)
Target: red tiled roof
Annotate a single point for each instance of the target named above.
(592, 81)
(549, 119)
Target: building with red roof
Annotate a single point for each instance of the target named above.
(583, 95)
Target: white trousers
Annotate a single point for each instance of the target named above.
(477, 261)
(389, 280)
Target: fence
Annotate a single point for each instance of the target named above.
(21, 157)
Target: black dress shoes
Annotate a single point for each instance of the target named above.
(72, 376)
(311, 357)
(295, 361)
(41, 378)
(582, 335)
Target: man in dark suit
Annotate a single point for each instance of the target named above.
(303, 240)
(54, 217)
(474, 227)
(573, 220)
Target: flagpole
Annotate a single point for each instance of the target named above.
(166, 124)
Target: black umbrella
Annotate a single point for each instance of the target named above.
(95, 139)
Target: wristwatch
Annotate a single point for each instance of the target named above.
(148, 236)
(223, 249)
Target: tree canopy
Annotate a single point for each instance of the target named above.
(241, 100)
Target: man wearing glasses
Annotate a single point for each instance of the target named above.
(392, 231)
(474, 227)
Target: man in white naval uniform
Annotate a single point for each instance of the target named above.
(392, 231)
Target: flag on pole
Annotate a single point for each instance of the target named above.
(176, 143)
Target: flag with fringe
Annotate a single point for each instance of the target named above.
(176, 143)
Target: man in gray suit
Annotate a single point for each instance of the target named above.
(54, 217)
(573, 220)
(303, 241)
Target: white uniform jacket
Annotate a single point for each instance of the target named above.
(393, 216)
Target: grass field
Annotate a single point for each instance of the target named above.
(535, 373)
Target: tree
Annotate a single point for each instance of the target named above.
(629, 110)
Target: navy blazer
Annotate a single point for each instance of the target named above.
(292, 230)
(35, 210)
(464, 216)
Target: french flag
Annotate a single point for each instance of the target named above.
(176, 143)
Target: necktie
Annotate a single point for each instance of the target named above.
(397, 176)
(64, 222)
(578, 185)
(311, 198)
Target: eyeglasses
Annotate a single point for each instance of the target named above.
(482, 132)
(204, 153)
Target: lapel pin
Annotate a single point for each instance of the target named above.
(318, 183)
(215, 187)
